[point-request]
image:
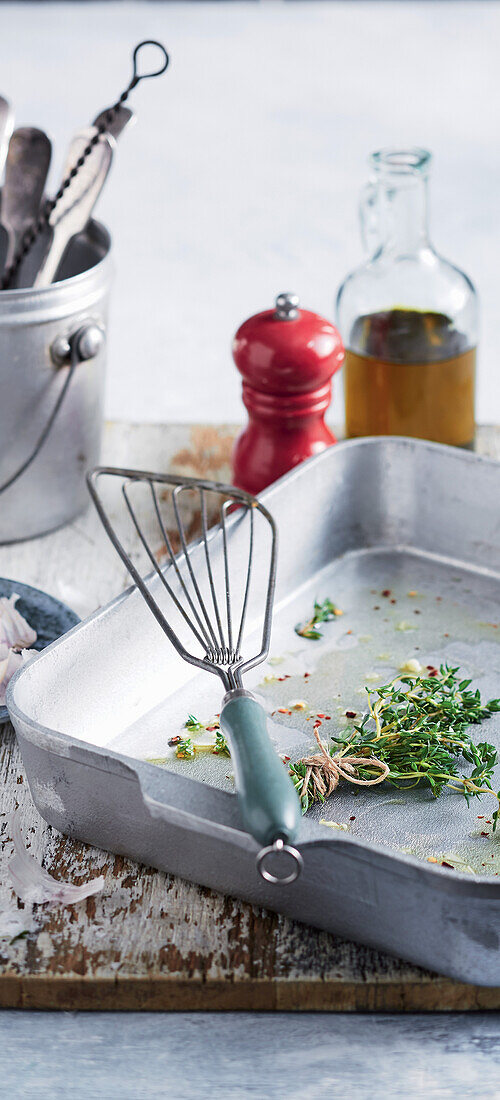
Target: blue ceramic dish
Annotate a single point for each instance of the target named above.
(49, 617)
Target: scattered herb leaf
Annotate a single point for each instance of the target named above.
(221, 747)
(192, 724)
(20, 936)
(323, 613)
(185, 749)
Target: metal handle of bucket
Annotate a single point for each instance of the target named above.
(69, 351)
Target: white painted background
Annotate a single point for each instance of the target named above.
(242, 175)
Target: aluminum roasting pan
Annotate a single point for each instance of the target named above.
(361, 518)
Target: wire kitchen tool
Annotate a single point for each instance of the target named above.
(72, 213)
(104, 127)
(114, 122)
(210, 606)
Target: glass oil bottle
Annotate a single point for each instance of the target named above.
(408, 317)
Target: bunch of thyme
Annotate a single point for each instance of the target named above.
(415, 731)
(322, 613)
(417, 726)
(316, 777)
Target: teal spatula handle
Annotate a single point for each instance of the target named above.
(269, 803)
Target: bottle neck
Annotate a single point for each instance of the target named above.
(403, 215)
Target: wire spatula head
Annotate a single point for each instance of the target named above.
(208, 595)
(213, 598)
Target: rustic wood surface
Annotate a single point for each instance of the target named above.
(150, 940)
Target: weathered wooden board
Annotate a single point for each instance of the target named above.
(151, 941)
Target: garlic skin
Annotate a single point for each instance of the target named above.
(10, 661)
(16, 635)
(34, 885)
(15, 632)
(9, 664)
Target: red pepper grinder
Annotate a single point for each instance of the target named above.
(287, 357)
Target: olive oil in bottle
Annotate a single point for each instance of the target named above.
(408, 317)
(412, 373)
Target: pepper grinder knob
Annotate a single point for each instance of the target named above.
(287, 307)
(287, 356)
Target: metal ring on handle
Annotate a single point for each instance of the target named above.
(81, 346)
(279, 846)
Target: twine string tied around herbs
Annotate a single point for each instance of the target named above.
(326, 771)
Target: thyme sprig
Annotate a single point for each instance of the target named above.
(192, 724)
(187, 748)
(417, 726)
(323, 613)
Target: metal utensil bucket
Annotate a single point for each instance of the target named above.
(52, 359)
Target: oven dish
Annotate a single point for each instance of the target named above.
(364, 517)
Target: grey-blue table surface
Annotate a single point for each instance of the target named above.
(269, 1056)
